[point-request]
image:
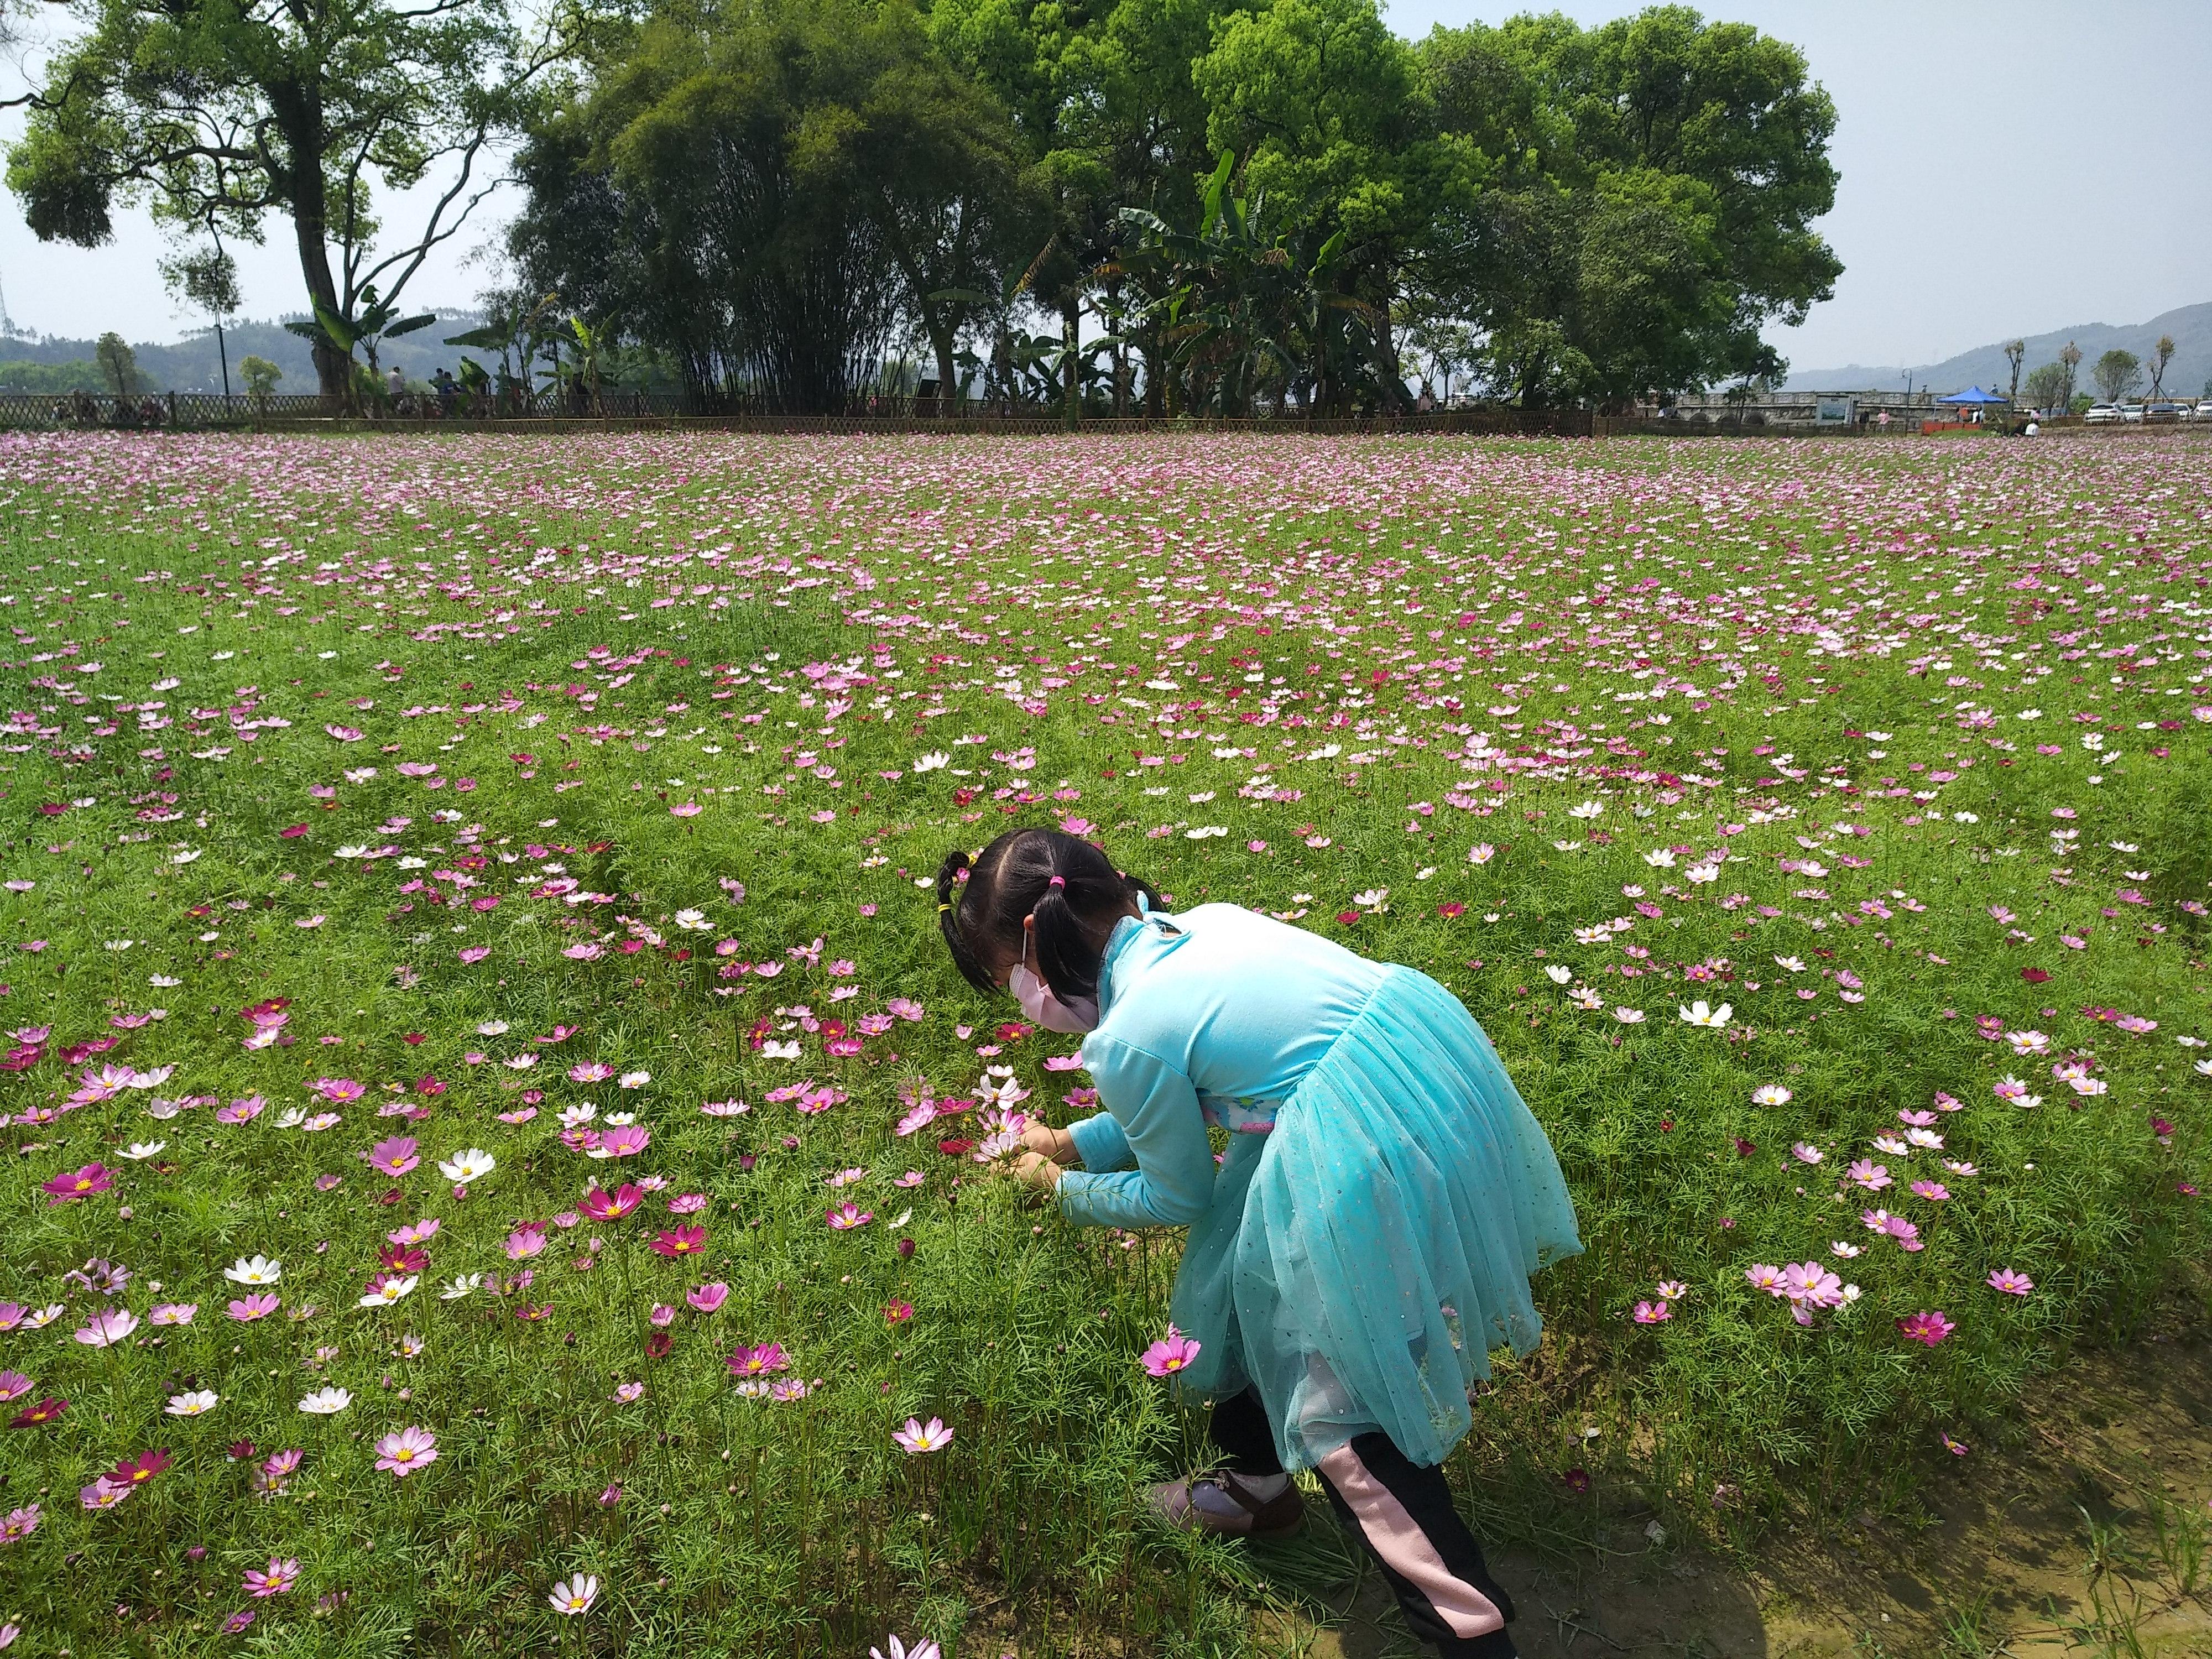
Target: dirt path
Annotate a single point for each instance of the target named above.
(2091, 1531)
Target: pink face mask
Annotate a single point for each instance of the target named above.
(1039, 1003)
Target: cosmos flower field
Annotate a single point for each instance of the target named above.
(499, 1160)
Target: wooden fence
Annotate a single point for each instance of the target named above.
(634, 411)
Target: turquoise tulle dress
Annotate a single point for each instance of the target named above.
(1368, 1236)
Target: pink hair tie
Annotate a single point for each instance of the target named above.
(1057, 881)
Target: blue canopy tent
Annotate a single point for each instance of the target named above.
(1974, 396)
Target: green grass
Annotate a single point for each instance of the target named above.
(636, 616)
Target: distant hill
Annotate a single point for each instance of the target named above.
(191, 364)
(2189, 374)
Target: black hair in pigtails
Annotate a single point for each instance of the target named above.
(951, 890)
(1070, 887)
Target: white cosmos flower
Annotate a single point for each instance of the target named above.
(185, 856)
(1790, 964)
(1481, 852)
(460, 1286)
(694, 922)
(163, 981)
(143, 1149)
(254, 1270)
(1558, 974)
(1660, 859)
(1588, 809)
(932, 761)
(1566, 846)
(633, 1079)
(1586, 998)
(581, 1113)
(1703, 872)
(195, 1402)
(473, 1164)
(1599, 935)
(1698, 1014)
(1770, 1094)
(1375, 898)
(1629, 1016)
(780, 1051)
(391, 1291)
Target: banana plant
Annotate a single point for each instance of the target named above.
(375, 319)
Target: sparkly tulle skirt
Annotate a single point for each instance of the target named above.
(1359, 1261)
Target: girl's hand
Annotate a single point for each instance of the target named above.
(1041, 1175)
(1047, 1142)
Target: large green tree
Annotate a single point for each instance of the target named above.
(772, 191)
(218, 113)
(1658, 179)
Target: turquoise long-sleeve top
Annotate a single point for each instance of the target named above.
(1215, 1013)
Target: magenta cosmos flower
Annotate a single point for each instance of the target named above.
(1928, 1327)
(763, 1360)
(393, 1156)
(919, 1436)
(2011, 1283)
(603, 1207)
(1170, 1354)
(674, 1242)
(74, 1184)
(405, 1451)
(847, 1215)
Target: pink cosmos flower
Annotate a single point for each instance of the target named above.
(1170, 1354)
(2011, 1283)
(393, 1156)
(258, 1305)
(919, 1436)
(102, 1494)
(623, 1140)
(707, 1298)
(405, 1451)
(1653, 1313)
(1928, 1327)
(14, 1385)
(107, 1327)
(338, 1090)
(274, 1582)
(629, 1393)
(1934, 1191)
(846, 1216)
(590, 1071)
(242, 1111)
(173, 1313)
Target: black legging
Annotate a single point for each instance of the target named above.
(1404, 1514)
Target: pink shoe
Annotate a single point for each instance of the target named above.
(1222, 1504)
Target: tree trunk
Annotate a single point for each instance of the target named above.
(1071, 334)
(1155, 383)
(333, 368)
(940, 339)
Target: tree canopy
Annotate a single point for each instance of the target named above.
(220, 111)
(1216, 205)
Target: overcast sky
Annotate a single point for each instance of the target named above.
(2008, 167)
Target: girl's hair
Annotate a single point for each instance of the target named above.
(1070, 887)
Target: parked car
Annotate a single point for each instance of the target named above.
(2132, 414)
(2098, 414)
(2203, 411)
(2163, 414)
